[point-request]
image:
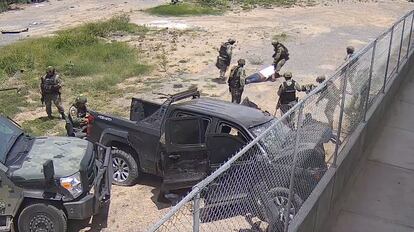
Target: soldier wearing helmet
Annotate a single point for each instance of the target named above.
(78, 112)
(287, 93)
(280, 57)
(349, 52)
(309, 87)
(224, 58)
(237, 81)
(50, 88)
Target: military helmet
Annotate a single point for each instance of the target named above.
(350, 49)
(275, 42)
(81, 100)
(241, 62)
(231, 41)
(320, 79)
(50, 69)
(287, 75)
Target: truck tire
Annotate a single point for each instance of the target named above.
(125, 168)
(278, 198)
(42, 217)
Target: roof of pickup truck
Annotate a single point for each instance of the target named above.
(247, 116)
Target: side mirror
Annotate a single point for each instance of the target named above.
(49, 171)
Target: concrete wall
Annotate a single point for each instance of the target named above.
(322, 206)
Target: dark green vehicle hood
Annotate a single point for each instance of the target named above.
(66, 153)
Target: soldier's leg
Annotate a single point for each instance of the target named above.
(278, 66)
(233, 95)
(239, 96)
(48, 104)
(58, 103)
(223, 73)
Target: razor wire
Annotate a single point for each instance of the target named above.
(264, 185)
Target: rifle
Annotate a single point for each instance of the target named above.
(277, 107)
(7, 89)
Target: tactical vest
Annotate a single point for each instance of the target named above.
(289, 93)
(50, 84)
(223, 50)
(234, 80)
(285, 53)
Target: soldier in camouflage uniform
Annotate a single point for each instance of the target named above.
(50, 87)
(78, 112)
(349, 52)
(237, 81)
(224, 58)
(280, 57)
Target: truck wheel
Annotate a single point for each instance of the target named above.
(125, 168)
(42, 217)
(275, 201)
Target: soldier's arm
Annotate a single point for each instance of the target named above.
(298, 87)
(59, 81)
(229, 50)
(278, 54)
(243, 78)
(280, 90)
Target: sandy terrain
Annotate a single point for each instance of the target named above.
(316, 38)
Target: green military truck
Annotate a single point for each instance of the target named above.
(45, 181)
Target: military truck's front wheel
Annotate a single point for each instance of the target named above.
(125, 168)
(42, 217)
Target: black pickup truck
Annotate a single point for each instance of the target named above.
(182, 140)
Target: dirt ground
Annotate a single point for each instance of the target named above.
(185, 53)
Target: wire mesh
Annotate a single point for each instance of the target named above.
(380, 64)
(356, 93)
(406, 37)
(284, 164)
(395, 49)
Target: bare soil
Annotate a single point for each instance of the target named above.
(316, 38)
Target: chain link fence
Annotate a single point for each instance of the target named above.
(265, 184)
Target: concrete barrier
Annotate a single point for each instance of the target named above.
(322, 206)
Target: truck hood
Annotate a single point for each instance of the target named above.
(66, 153)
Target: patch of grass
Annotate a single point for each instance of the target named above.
(43, 126)
(11, 102)
(86, 62)
(184, 9)
(266, 3)
(3, 6)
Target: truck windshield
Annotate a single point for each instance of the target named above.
(9, 133)
(276, 137)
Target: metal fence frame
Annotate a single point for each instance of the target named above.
(194, 195)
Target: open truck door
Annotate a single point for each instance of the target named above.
(185, 159)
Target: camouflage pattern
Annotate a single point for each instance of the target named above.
(237, 81)
(78, 115)
(66, 152)
(56, 100)
(224, 57)
(11, 196)
(280, 56)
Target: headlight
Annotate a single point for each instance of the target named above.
(72, 184)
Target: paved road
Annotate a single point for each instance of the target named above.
(382, 197)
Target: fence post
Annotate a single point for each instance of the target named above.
(341, 115)
(374, 46)
(388, 59)
(292, 174)
(196, 213)
(401, 44)
(411, 32)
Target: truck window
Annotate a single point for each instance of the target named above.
(225, 128)
(186, 132)
(204, 125)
